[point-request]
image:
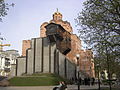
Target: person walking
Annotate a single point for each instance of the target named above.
(62, 86)
(58, 87)
(92, 81)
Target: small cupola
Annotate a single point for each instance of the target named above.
(57, 16)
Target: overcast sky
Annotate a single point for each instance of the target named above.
(24, 19)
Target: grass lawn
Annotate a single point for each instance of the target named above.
(36, 80)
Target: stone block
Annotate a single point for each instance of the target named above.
(45, 56)
(30, 62)
(61, 65)
(38, 55)
(21, 65)
(53, 48)
(70, 69)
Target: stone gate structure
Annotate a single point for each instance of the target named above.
(47, 55)
(44, 57)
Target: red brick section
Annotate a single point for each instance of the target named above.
(86, 56)
(25, 46)
(75, 47)
(86, 62)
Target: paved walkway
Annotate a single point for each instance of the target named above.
(70, 87)
(27, 88)
(83, 87)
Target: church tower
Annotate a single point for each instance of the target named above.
(57, 19)
(57, 16)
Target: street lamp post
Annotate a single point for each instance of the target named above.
(98, 67)
(78, 56)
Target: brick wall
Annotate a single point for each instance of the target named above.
(75, 47)
(25, 46)
(86, 62)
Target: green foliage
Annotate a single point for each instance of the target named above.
(98, 14)
(3, 10)
(100, 22)
(36, 80)
(4, 7)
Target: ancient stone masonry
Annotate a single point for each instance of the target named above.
(61, 33)
(75, 44)
(44, 57)
(56, 33)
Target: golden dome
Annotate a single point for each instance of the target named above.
(57, 13)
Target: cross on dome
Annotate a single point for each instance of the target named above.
(57, 15)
